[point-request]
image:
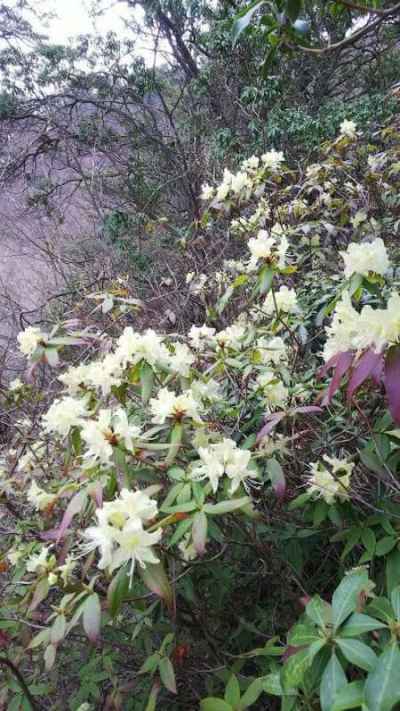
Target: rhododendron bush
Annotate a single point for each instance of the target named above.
(185, 497)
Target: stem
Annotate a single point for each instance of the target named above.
(21, 681)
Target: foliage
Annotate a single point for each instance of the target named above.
(166, 513)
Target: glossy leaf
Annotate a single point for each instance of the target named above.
(333, 680)
(244, 18)
(357, 653)
(382, 688)
(167, 674)
(346, 596)
(358, 624)
(156, 579)
(349, 697)
(92, 617)
(232, 691)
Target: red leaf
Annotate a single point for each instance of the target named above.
(392, 381)
(329, 364)
(270, 422)
(75, 505)
(367, 365)
(343, 364)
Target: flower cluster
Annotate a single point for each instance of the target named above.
(120, 536)
(223, 458)
(330, 482)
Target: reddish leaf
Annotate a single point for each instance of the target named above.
(367, 365)
(343, 364)
(331, 363)
(270, 422)
(75, 505)
(392, 381)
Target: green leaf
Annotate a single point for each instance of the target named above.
(226, 506)
(213, 704)
(225, 298)
(252, 693)
(369, 540)
(395, 600)
(381, 608)
(265, 279)
(392, 570)
(293, 8)
(346, 596)
(319, 611)
(58, 629)
(155, 578)
(152, 700)
(333, 680)
(146, 382)
(272, 684)
(358, 624)
(349, 697)
(175, 442)
(382, 688)
(117, 591)
(385, 545)
(92, 616)
(357, 653)
(232, 691)
(302, 634)
(244, 17)
(297, 665)
(167, 674)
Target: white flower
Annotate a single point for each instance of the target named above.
(98, 436)
(200, 335)
(39, 498)
(348, 129)
(211, 390)
(120, 536)
(273, 159)
(181, 360)
(231, 337)
(333, 484)
(189, 277)
(104, 374)
(29, 340)
(224, 188)
(274, 390)
(251, 163)
(286, 301)
(167, 405)
(64, 414)
(272, 350)
(207, 192)
(187, 549)
(223, 457)
(75, 377)
(135, 545)
(240, 181)
(133, 347)
(129, 505)
(371, 328)
(365, 258)
(38, 560)
(15, 384)
(124, 429)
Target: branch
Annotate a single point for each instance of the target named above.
(363, 8)
(347, 41)
(21, 681)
